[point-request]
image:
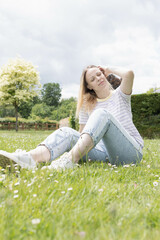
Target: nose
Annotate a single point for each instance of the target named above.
(98, 78)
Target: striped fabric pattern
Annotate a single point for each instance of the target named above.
(119, 105)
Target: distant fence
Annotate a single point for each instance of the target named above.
(28, 126)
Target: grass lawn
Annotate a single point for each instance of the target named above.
(96, 201)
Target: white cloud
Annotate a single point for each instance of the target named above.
(62, 37)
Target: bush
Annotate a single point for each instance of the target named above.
(146, 114)
(24, 120)
(41, 110)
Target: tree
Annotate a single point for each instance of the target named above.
(25, 108)
(65, 108)
(40, 110)
(153, 90)
(19, 82)
(51, 94)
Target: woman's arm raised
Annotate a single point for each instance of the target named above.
(126, 75)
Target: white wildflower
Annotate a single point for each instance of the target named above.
(100, 190)
(16, 184)
(63, 192)
(34, 195)
(148, 204)
(15, 191)
(56, 181)
(16, 196)
(155, 184)
(36, 221)
(70, 189)
(126, 166)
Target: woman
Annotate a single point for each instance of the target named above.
(107, 132)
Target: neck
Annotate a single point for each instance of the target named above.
(104, 93)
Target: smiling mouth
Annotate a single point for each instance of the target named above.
(101, 83)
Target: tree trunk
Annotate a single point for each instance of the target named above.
(16, 111)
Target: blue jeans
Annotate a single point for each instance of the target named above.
(111, 141)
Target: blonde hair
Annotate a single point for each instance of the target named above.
(87, 98)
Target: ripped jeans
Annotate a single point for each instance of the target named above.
(111, 141)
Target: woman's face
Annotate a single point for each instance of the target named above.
(95, 79)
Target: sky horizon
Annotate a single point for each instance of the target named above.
(63, 37)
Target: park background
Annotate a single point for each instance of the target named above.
(95, 201)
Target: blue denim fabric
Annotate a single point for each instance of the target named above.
(120, 146)
(111, 141)
(63, 139)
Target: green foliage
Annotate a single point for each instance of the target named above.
(24, 120)
(40, 110)
(19, 82)
(65, 108)
(94, 201)
(7, 111)
(73, 121)
(153, 90)
(146, 114)
(51, 94)
(25, 108)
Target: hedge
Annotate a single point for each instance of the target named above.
(146, 114)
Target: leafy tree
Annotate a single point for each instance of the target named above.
(51, 94)
(7, 111)
(153, 90)
(41, 110)
(25, 108)
(65, 109)
(19, 82)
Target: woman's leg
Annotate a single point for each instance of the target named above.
(120, 146)
(60, 141)
(52, 147)
(63, 140)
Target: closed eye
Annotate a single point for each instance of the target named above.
(99, 74)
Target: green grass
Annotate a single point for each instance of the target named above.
(95, 201)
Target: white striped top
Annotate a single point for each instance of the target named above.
(119, 105)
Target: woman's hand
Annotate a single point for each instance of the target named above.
(105, 71)
(126, 75)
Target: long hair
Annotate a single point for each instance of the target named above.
(87, 98)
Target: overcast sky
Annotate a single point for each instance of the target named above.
(61, 37)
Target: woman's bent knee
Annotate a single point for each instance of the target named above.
(65, 129)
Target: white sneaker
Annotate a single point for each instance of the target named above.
(22, 158)
(64, 162)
